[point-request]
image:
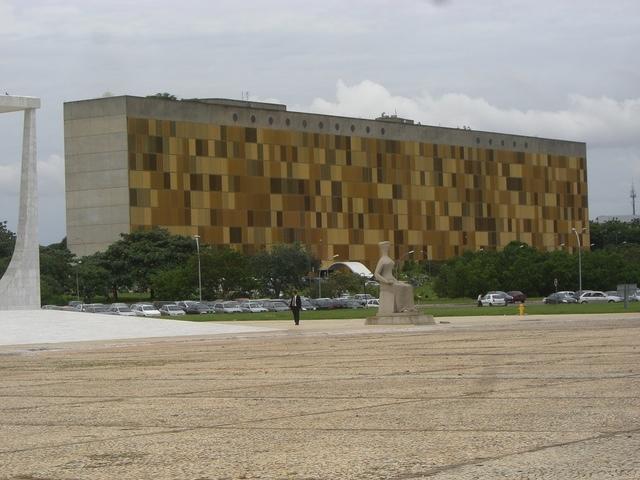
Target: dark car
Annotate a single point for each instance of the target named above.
(517, 296)
(194, 308)
(559, 297)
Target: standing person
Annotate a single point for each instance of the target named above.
(295, 305)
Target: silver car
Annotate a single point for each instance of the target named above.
(598, 297)
(171, 309)
(493, 300)
(145, 310)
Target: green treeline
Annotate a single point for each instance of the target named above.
(164, 266)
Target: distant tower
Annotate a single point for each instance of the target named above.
(633, 199)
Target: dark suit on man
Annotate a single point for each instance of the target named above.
(295, 304)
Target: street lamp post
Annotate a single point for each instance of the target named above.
(579, 260)
(197, 239)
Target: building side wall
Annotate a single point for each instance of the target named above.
(96, 174)
(255, 186)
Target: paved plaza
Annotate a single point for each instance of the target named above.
(476, 398)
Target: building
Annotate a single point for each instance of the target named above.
(251, 175)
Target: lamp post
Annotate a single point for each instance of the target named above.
(197, 239)
(320, 277)
(579, 259)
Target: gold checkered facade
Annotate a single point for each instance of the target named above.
(253, 186)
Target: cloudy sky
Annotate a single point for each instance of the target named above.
(556, 68)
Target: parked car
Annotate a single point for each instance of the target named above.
(94, 308)
(171, 309)
(559, 297)
(145, 310)
(193, 307)
(228, 306)
(493, 300)
(598, 297)
(307, 305)
(350, 303)
(507, 298)
(252, 307)
(631, 296)
(275, 305)
(372, 303)
(324, 303)
(363, 298)
(120, 309)
(569, 293)
(518, 296)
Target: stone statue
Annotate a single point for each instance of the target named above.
(395, 296)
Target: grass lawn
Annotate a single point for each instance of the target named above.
(435, 311)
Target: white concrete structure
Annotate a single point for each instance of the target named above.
(20, 285)
(355, 267)
(27, 327)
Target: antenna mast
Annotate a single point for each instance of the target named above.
(633, 199)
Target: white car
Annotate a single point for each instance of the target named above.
(229, 306)
(598, 297)
(372, 303)
(171, 309)
(253, 307)
(145, 310)
(493, 300)
(121, 309)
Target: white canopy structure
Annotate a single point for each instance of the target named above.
(356, 267)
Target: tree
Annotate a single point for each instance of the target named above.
(166, 95)
(7, 243)
(132, 260)
(93, 278)
(174, 284)
(342, 281)
(283, 268)
(226, 273)
(56, 275)
(469, 275)
(614, 233)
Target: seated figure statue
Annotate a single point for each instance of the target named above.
(395, 296)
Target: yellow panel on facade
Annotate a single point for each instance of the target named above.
(384, 191)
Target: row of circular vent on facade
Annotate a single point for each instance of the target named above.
(353, 128)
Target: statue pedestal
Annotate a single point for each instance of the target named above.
(410, 318)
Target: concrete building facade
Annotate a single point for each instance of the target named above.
(20, 284)
(251, 175)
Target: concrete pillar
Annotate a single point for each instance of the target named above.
(20, 285)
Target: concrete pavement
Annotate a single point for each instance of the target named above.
(552, 397)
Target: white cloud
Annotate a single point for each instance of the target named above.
(609, 127)
(598, 121)
(50, 177)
